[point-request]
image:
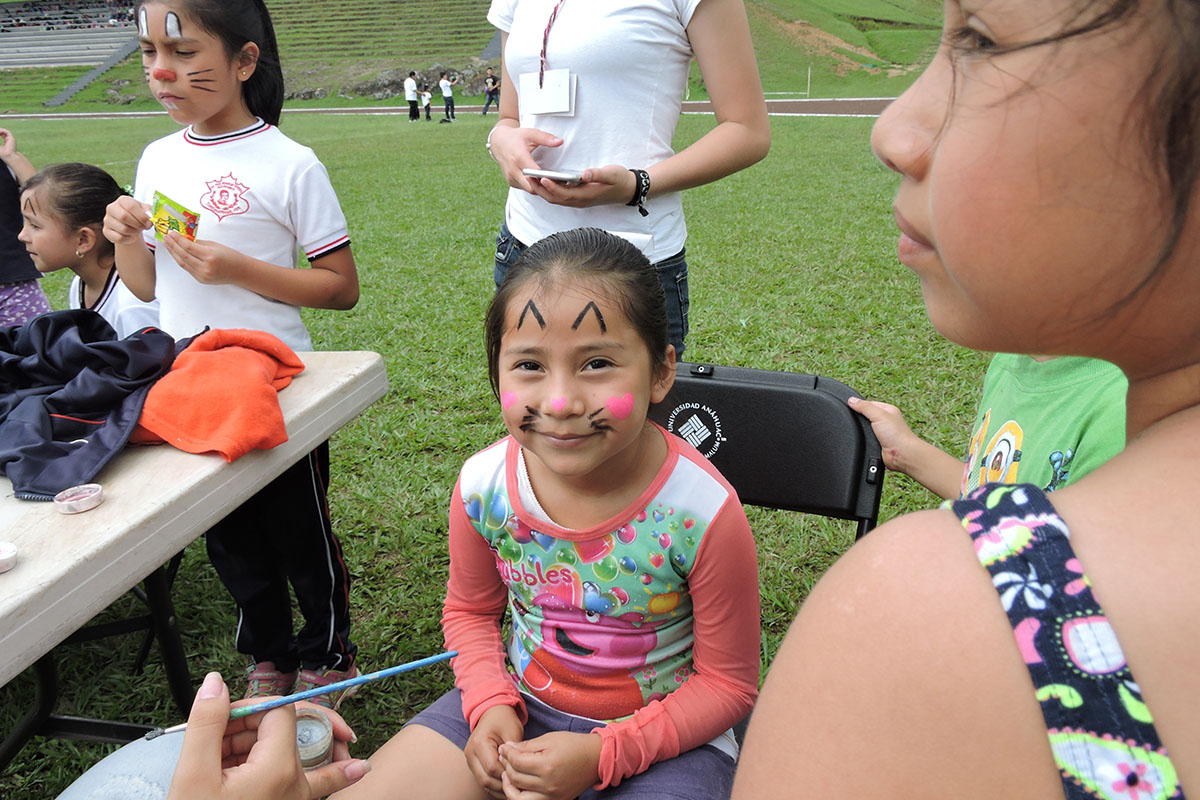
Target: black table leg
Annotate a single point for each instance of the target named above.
(30, 724)
(166, 629)
(41, 720)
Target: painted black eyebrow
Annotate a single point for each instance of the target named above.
(536, 315)
(599, 317)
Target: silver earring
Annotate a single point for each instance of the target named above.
(78, 254)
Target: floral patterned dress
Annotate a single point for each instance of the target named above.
(1101, 733)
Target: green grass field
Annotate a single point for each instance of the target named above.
(793, 267)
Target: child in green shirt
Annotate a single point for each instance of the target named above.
(1049, 420)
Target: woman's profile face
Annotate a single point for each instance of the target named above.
(1028, 205)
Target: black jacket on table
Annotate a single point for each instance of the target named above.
(70, 396)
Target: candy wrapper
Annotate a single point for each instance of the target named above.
(171, 216)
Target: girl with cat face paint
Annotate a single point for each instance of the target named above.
(625, 561)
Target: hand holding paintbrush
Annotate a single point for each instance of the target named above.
(238, 753)
(267, 705)
(253, 757)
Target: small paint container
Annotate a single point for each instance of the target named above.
(314, 737)
(79, 498)
(8, 556)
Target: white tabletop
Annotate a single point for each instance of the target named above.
(156, 501)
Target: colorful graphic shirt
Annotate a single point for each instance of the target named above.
(1101, 733)
(651, 618)
(1045, 422)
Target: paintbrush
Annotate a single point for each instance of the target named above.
(267, 705)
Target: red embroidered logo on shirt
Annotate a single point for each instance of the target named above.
(224, 197)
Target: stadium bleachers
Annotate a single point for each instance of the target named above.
(40, 33)
(49, 15)
(35, 48)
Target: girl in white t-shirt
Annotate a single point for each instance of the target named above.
(258, 197)
(426, 97)
(63, 209)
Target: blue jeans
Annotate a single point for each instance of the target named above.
(672, 272)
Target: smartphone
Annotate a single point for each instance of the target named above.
(565, 177)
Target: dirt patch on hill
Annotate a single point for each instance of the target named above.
(814, 40)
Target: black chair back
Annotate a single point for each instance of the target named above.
(783, 439)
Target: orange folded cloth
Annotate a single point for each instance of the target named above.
(221, 395)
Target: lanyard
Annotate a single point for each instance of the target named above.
(545, 41)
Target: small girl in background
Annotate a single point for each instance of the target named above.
(63, 207)
(259, 197)
(624, 558)
(426, 96)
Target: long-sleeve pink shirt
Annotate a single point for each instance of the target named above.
(649, 621)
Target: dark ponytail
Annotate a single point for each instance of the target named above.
(264, 89)
(236, 22)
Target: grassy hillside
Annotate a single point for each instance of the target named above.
(853, 47)
(416, 30)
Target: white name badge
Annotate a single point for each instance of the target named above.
(556, 95)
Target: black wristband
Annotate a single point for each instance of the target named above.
(641, 189)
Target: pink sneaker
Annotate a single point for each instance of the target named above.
(312, 678)
(263, 680)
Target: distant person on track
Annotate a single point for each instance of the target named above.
(447, 87)
(426, 98)
(491, 91)
(410, 94)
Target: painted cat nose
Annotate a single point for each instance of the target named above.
(163, 75)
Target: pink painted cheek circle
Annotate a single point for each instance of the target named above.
(621, 407)
(507, 399)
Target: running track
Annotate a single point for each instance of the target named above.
(848, 107)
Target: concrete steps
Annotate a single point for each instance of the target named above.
(63, 48)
